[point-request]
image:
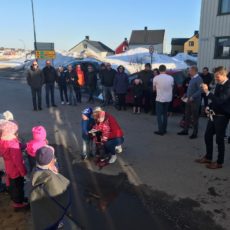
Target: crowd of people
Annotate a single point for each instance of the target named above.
(49, 189)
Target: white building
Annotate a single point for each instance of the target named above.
(214, 47)
(92, 48)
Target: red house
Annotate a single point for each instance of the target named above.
(122, 47)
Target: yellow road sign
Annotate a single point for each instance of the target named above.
(45, 54)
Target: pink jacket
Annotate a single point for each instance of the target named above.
(12, 155)
(39, 140)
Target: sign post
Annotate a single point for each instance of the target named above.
(151, 51)
(45, 50)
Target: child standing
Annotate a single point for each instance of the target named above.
(14, 165)
(86, 124)
(137, 95)
(39, 140)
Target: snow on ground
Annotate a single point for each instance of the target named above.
(185, 57)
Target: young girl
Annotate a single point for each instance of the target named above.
(39, 140)
(15, 169)
(137, 94)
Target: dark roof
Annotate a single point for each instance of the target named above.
(147, 37)
(178, 41)
(100, 46)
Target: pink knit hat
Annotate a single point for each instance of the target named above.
(39, 133)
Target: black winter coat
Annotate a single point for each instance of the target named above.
(50, 74)
(35, 78)
(108, 77)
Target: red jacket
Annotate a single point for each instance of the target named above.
(109, 127)
(12, 155)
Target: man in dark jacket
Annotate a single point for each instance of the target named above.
(50, 76)
(146, 76)
(107, 83)
(91, 82)
(218, 112)
(35, 80)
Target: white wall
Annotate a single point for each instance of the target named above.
(211, 26)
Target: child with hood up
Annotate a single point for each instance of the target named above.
(39, 140)
(86, 125)
(10, 149)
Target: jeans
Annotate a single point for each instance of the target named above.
(63, 92)
(72, 95)
(78, 94)
(217, 126)
(87, 147)
(91, 91)
(108, 93)
(146, 97)
(37, 97)
(49, 91)
(111, 144)
(192, 116)
(162, 115)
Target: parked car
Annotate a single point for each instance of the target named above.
(179, 77)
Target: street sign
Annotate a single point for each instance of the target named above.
(44, 46)
(151, 49)
(45, 54)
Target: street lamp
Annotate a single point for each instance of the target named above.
(35, 41)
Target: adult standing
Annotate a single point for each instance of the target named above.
(80, 81)
(218, 112)
(107, 83)
(50, 76)
(207, 79)
(120, 85)
(146, 76)
(91, 82)
(193, 101)
(35, 80)
(72, 84)
(62, 83)
(163, 85)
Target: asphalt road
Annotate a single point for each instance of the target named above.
(154, 184)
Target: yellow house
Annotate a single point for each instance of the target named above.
(192, 44)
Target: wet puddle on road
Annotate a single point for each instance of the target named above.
(111, 202)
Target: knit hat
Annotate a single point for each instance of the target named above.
(8, 116)
(44, 155)
(8, 130)
(87, 112)
(39, 133)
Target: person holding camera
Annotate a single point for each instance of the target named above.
(218, 112)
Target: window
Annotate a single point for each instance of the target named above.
(224, 7)
(222, 49)
(191, 43)
(85, 46)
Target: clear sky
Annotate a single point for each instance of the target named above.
(67, 22)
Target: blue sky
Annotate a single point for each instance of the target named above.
(66, 22)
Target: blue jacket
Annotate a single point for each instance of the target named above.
(86, 126)
(194, 89)
(121, 83)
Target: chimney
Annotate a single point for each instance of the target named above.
(196, 32)
(87, 37)
(146, 28)
(125, 39)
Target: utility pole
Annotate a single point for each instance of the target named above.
(35, 41)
